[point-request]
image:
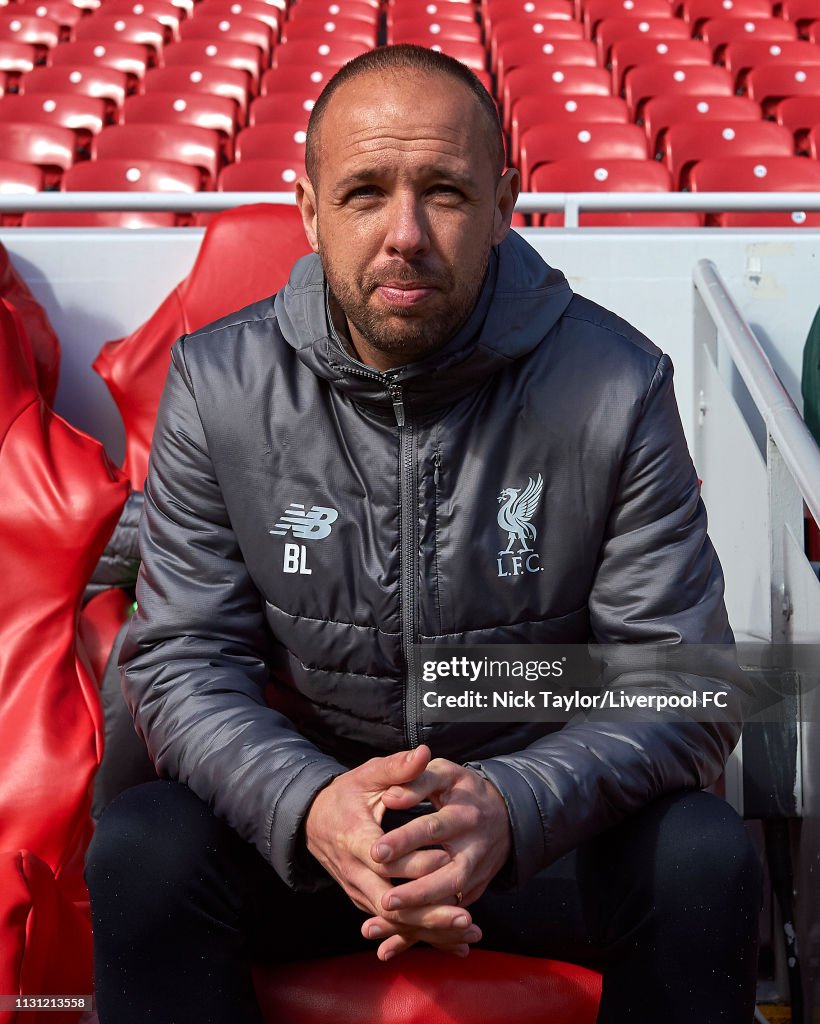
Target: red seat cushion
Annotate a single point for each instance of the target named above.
(423, 986)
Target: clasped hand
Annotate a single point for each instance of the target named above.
(448, 856)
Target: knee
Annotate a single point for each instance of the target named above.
(150, 838)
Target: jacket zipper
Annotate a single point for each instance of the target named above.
(408, 548)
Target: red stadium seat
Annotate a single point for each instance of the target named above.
(685, 144)
(98, 82)
(99, 219)
(280, 140)
(472, 54)
(429, 988)
(579, 142)
(65, 14)
(535, 80)
(500, 12)
(50, 147)
(596, 10)
(535, 49)
(41, 33)
(771, 83)
(82, 114)
(695, 12)
(227, 83)
(533, 31)
(798, 114)
(609, 176)
(327, 53)
(531, 111)
(741, 57)
(324, 29)
(662, 111)
(630, 53)
(40, 345)
(642, 83)
(225, 53)
(718, 32)
(16, 179)
(814, 141)
(260, 176)
(184, 144)
(768, 174)
(280, 106)
(363, 10)
(118, 175)
(236, 29)
(431, 28)
(216, 113)
(139, 30)
(257, 10)
(168, 14)
(223, 278)
(801, 12)
(16, 59)
(306, 79)
(611, 30)
(129, 58)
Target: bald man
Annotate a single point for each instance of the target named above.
(323, 495)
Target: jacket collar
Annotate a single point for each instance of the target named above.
(521, 300)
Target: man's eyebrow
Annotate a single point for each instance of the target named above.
(367, 175)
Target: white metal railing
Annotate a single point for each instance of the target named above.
(571, 203)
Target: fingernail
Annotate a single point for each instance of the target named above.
(375, 932)
(409, 755)
(382, 851)
(461, 921)
(462, 951)
(388, 955)
(393, 903)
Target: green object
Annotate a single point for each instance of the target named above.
(810, 381)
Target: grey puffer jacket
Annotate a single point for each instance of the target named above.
(308, 518)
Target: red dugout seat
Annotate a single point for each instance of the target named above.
(630, 53)
(662, 111)
(184, 144)
(98, 81)
(62, 499)
(227, 83)
(685, 144)
(579, 142)
(223, 279)
(768, 174)
(642, 83)
(531, 111)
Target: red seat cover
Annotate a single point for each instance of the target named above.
(246, 255)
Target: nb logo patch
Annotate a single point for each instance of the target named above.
(313, 525)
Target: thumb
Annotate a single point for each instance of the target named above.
(399, 768)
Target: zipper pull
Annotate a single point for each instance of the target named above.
(398, 402)
(436, 467)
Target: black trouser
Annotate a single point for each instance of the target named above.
(665, 905)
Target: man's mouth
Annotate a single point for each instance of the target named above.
(404, 293)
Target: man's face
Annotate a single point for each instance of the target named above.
(405, 211)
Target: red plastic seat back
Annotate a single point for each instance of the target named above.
(426, 987)
(246, 254)
(33, 331)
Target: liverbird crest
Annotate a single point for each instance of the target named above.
(517, 509)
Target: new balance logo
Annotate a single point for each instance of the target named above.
(312, 525)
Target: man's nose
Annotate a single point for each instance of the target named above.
(408, 230)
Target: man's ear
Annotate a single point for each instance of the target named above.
(506, 195)
(306, 201)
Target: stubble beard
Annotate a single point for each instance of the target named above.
(405, 333)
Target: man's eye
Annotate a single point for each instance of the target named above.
(362, 192)
(445, 190)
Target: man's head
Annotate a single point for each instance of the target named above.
(405, 196)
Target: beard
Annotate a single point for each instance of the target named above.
(399, 331)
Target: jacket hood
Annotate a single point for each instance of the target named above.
(521, 300)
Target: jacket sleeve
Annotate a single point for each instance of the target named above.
(194, 667)
(658, 582)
